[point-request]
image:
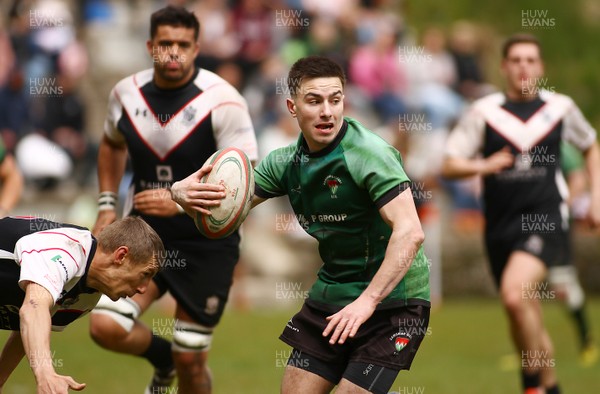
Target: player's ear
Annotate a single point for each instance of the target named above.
(291, 107)
(149, 48)
(196, 48)
(120, 254)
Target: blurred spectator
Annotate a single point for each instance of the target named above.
(62, 121)
(7, 55)
(332, 9)
(463, 45)
(19, 30)
(58, 117)
(11, 182)
(218, 40)
(374, 67)
(51, 30)
(322, 38)
(434, 76)
(252, 21)
(14, 110)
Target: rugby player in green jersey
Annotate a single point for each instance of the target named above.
(368, 311)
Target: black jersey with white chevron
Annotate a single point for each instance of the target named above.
(171, 133)
(530, 195)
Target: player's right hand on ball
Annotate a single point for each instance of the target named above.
(196, 196)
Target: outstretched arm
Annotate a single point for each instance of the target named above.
(407, 236)
(36, 323)
(112, 159)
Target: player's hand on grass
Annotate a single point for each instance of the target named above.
(345, 323)
(54, 383)
(155, 202)
(104, 219)
(497, 162)
(195, 196)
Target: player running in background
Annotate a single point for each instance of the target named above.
(170, 119)
(563, 279)
(518, 135)
(368, 311)
(52, 274)
(11, 182)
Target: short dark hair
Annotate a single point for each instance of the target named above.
(174, 16)
(520, 38)
(313, 67)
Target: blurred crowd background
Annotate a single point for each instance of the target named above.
(412, 68)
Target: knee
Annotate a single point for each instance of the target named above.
(512, 299)
(106, 332)
(111, 322)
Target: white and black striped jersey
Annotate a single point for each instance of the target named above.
(171, 133)
(534, 185)
(56, 256)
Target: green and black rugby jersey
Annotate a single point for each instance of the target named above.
(336, 194)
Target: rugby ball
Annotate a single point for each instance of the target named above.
(233, 170)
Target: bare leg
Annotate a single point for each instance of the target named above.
(518, 288)
(347, 387)
(193, 374)
(299, 381)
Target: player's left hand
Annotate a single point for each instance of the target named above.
(155, 202)
(345, 323)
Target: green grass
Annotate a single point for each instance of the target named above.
(461, 355)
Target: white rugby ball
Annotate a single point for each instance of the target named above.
(233, 170)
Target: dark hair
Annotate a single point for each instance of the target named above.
(313, 67)
(174, 16)
(520, 39)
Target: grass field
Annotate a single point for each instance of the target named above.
(460, 355)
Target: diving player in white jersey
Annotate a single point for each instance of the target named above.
(517, 134)
(170, 119)
(52, 274)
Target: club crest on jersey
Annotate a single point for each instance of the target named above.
(189, 113)
(333, 183)
(534, 244)
(400, 340)
(164, 173)
(212, 305)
